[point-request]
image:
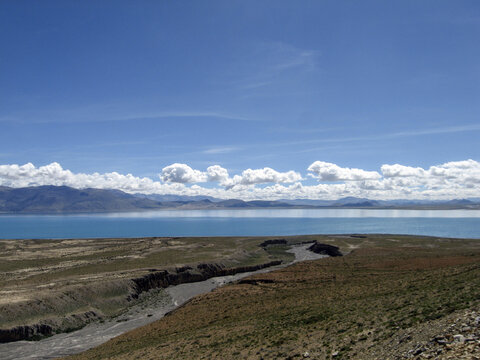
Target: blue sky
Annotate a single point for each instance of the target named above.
(135, 86)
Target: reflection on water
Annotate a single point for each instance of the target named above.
(243, 222)
(301, 213)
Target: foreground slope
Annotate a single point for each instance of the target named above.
(49, 286)
(388, 295)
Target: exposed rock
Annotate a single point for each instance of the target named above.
(48, 327)
(256, 281)
(459, 338)
(183, 268)
(325, 249)
(26, 332)
(163, 279)
(273, 242)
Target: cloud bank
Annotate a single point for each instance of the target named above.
(451, 180)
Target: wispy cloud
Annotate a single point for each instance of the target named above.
(255, 85)
(89, 115)
(298, 59)
(307, 130)
(109, 144)
(220, 150)
(270, 60)
(376, 137)
(184, 114)
(285, 56)
(440, 130)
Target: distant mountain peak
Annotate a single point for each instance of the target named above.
(64, 199)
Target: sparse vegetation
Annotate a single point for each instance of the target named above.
(347, 306)
(48, 281)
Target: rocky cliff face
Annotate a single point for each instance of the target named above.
(316, 247)
(163, 278)
(274, 242)
(325, 249)
(26, 332)
(48, 327)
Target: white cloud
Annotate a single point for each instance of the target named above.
(182, 173)
(459, 179)
(467, 170)
(266, 175)
(217, 173)
(397, 170)
(54, 174)
(464, 173)
(325, 171)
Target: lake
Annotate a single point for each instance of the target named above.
(446, 223)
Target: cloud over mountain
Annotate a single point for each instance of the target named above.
(458, 179)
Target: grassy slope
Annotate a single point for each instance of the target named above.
(350, 305)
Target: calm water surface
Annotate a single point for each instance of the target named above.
(448, 223)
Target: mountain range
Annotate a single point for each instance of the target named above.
(63, 199)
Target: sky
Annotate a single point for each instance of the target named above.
(243, 99)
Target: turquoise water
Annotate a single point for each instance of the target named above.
(447, 223)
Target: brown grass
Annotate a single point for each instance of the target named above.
(49, 279)
(349, 305)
